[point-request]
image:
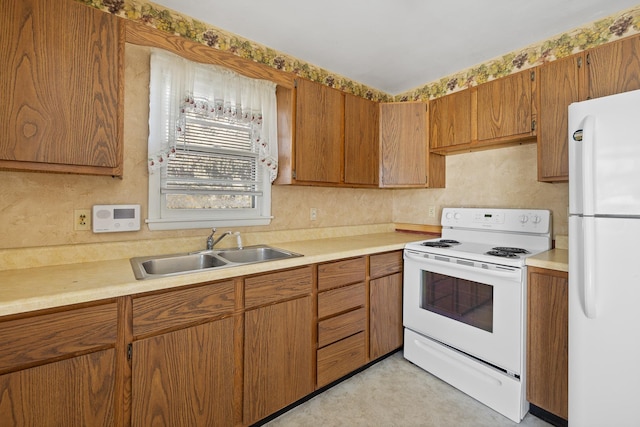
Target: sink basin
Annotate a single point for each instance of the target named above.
(165, 265)
(170, 265)
(255, 254)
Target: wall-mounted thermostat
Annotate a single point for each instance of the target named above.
(113, 218)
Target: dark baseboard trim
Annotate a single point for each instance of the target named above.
(547, 416)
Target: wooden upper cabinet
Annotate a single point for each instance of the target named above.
(559, 87)
(319, 133)
(613, 68)
(61, 105)
(404, 147)
(505, 107)
(361, 146)
(450, 120)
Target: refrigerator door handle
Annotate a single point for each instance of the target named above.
(589, 268)
(588, 157)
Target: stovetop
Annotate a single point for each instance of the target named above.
(497, 236)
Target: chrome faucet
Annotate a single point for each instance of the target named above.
(211, 242)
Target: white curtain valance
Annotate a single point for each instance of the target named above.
(180, 86)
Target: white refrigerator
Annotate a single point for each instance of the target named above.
(604, 261)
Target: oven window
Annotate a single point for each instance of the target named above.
(458, 299)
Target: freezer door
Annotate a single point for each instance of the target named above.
(604, 156)
(604, 350)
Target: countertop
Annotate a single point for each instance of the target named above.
(30, 289)
(555, 259)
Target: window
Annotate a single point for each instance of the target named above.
(212, 146)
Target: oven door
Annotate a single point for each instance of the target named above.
(474, 307)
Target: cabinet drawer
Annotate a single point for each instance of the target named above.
(339, 327)
(342, 299)
(48, 336)
(268, 288)
(341, 358)
(154, 313)
(340, 273)
(385, 264)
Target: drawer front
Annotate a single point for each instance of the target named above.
(342, 299)
(154, 313)
(385, 264)
(339, 327)
(273, 287)
(341, 358)
(340, 273)
(36, 339)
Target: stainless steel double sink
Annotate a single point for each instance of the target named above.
(170, 265)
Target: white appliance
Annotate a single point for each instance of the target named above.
(604, 280)
(464, 302)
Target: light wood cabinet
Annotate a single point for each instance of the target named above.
(450, 121)
(319, 133)
(62, 102)
(612, 68)
(505, 108)
(278, 342)
(404, 148)
(59, 368)
(547, 340)
(342, 319)
(559, 87)
(605, 70)
(385, 304)
(361, 141)
(182, 357)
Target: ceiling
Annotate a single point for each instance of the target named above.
(397, 45)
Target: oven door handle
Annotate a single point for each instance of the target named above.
(510, 273)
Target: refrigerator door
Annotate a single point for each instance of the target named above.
(604, 350)
(604, 156)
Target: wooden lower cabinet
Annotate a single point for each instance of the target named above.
(73, 392)
(182, 356)
(59, 368)
(385, 324)
(278, 359)
(547, 340)
(185, 377)
(385, 303)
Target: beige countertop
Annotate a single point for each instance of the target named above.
(29, 289)
(555, 259)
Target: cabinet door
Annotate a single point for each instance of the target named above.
(361, 146)
(73, 392)
(185, 378)
(450, 120)
(278, 359)
(559, 87)
(505, 107)
(319, 133)
(385, 328)
(547, 341)
(613, 68)
(61, 98)
(403, 142)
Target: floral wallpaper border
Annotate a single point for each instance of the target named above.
(620, 25)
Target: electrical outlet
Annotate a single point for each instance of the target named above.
(432, 211)
(82, 219)
(313, 214)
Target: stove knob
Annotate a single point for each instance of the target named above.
(457, 215)
(449, 215)
(524, 219)
(536, 219)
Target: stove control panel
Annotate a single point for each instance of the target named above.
(520, 220)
